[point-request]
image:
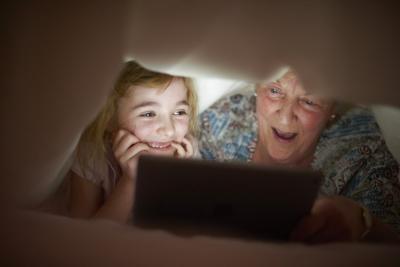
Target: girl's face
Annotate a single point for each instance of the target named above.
(290, 120)
(156, 117)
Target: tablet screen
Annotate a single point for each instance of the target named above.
(210, 197)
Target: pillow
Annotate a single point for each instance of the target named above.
(388, 119)
(209, 90)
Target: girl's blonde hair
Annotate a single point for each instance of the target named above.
(98, 133)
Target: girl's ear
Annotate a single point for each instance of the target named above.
(189, 136)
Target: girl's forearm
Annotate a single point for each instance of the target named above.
(119, 204)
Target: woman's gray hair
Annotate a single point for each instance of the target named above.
(340, 108)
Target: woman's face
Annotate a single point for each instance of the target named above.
(290, 121)
(156, 117)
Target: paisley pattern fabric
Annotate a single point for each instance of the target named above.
(351, 153)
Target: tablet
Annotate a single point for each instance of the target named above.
(221, 198)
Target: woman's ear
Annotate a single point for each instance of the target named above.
(333, 117)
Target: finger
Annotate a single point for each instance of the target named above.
(117, 138)
(189, 147)
(179, 150)
(126, 141)
(120, 136)
(330, 235)
(307, 228)
(133, 151)
(129, 160)
(332, 232)
(336, 229)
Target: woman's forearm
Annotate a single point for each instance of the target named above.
(381, 232)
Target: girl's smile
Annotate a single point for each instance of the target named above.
(160, 148)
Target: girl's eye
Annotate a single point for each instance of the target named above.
(148, 114)
(180, 113)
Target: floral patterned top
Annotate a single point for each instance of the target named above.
(351, 153)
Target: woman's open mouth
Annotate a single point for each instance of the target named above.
(282, 136)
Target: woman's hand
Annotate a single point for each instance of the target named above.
(332, 219)
(126, 147)
(184, 149)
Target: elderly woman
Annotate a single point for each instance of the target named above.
(283, 124)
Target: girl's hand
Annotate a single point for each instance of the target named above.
(184, 149)
(126, 147)
(332, 219)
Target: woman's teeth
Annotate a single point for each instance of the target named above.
(284, 135)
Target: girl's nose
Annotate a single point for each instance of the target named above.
(166, 128)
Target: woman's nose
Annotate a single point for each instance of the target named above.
(287, 113)
(166, 127)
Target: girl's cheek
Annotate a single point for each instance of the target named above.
(129, 124)
(181, 128)
(141, 130)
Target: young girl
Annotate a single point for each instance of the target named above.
(147, 112)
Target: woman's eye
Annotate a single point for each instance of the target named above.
(147, 114)
(309, 102)
(274, 90)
